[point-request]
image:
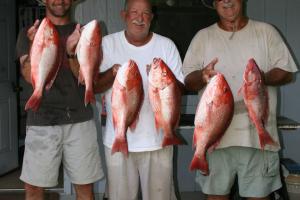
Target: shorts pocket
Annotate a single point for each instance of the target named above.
(271, 166)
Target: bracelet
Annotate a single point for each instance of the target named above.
(72, 56)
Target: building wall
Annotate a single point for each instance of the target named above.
(284, 16)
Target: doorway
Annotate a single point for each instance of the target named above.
(15, 15)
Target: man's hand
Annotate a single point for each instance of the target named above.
(73, 40)
(115, 69)
(196, 80)
(32, 30)
(209, 71)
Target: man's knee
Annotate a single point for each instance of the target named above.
(33, 192)
(217, 197)
(32, 188)
(84, 191)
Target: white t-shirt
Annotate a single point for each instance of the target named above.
(256, 40)
(117, 50)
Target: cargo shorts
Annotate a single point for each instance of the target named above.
(74, 145)
(257, 172)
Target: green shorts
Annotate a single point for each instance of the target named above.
(257, 172)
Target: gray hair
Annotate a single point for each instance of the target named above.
(126, 4)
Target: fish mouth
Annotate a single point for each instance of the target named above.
(155, 63)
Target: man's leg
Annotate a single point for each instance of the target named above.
(84, 192)
(33, 192)
(217, 197)
(122, 176)
(264, 198)
(41, 160)
(156, 174)
(259, 173)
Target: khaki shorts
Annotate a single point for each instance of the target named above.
(75, 145)
(257, 172)
(152, 171)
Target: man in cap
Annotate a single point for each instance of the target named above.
(226, 47)
(62, 129)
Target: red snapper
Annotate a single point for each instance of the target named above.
(256, 100)
(89, 55)
(44, 62)
(127, 98)
(165, 99)
(213, 116)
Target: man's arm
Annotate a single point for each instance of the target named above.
(106, 79)
(196, 80)
(25, 67)
(277, 77)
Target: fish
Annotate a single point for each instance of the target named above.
(165, 100)
(126, 102)
(44, 62)
(213, 116)
(89, 56)
(255, 95)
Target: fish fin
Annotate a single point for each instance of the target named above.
(266, 111)
(265, 138)
(32, 82)
(135, 121)
(200, 163)
(95, 75)
(194, 138)
(134, 124)
(157, 124)
(80, 78)
(173, 140)
(120, 145)
(241, 90)
(213, 146)
(156, 105)
(177, 121)
(155, 99)
(89, 97)
(34, 101)
(49, 85)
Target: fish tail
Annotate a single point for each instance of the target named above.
(34, 101)
(173, 140)
(120, 145)
(199, 162)
(89, 97)
(265, 138)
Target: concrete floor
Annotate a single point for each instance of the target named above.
(56, 196)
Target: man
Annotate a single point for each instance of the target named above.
(147, 162)
(62, 129)
(226, 47)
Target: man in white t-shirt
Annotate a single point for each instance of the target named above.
(147, 162)
(226, 47)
